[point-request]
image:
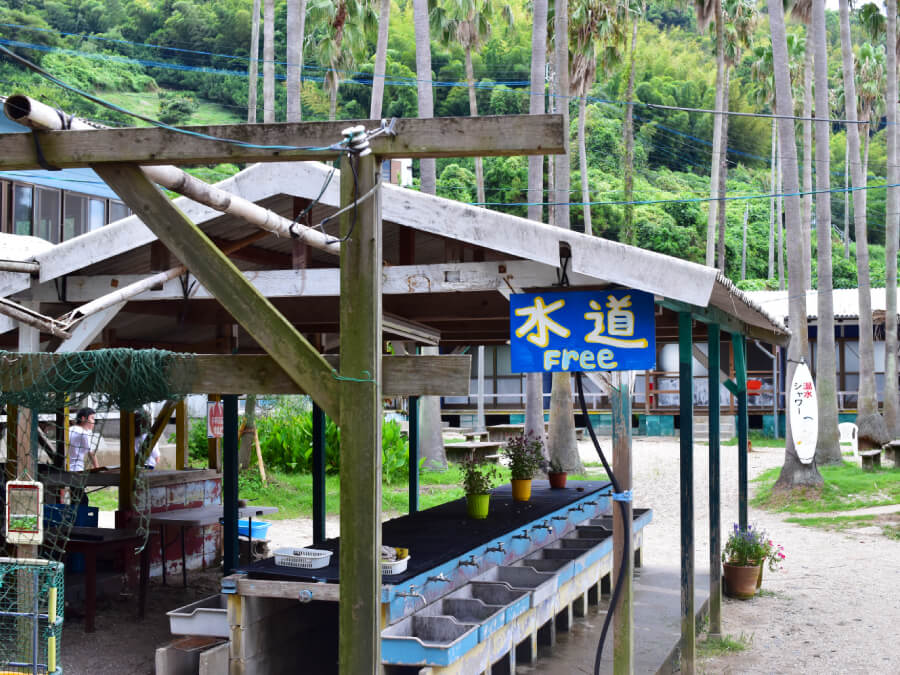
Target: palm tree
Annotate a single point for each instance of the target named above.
(891, 227)
(802, 11)
(296, 23)
(427, 167)
(253, 75)
(269, 61)
(870, 423)
(793, 473)
(828, 449)
(468, 23)
(870, 76)
(384, 17)
(761, 72)
(633, 11)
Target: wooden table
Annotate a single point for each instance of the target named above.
(198, 517)
(483, 450)
(93, 541)
(892, 451)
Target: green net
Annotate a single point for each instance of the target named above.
(31, 615)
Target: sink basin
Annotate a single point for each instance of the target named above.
(541, 585)
(544, 561)
(488, 618)
(427, 640)
(581, 543)
(515, 601)
(208, 616)
(602, 521)
(593, 531)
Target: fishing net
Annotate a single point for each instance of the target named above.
(48, 402)
(31, 615)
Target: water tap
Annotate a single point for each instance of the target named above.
(412, 594)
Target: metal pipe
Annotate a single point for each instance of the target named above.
(41, 117)
(19, 266)
(686, 461)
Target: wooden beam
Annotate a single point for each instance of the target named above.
(126, 460)
(181, 435)
(359, 614)
(501, 135)
(248, 307)
(445, 375)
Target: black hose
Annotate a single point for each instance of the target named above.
(623, 565)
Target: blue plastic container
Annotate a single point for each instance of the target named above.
(85, 516)
(260, 528)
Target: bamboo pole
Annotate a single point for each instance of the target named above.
(259, 458)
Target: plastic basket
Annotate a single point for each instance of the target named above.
(308, 558)
(259, 528)
(394, 566)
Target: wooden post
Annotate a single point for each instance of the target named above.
(318, 474)
(740, 377)
(212, 444)
(623, 541)
(230, 482)
(360, 393)
(126, 461)
(12, 441)
(413, 404)
(686, 411)
(715, 506)
(181, 435)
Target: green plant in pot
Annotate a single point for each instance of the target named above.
(557, 475)
(525, 454)
(478, 479)
(746, 553)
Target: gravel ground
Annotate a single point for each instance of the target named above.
(833, 608)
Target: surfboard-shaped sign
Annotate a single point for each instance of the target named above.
(804, 413)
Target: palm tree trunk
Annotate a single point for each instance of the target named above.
(384, 15)
(583, 167)
(269, 61)
(331, 78)
(717, 136)
(253, 75)
(534, 382)
(779, 211)
(891, 395)
(427, 167)
(793, 473)
(744, 244)
(846, 199)
(296, 25)
(628, 183)
(867, 403)
(723, 177)
(827, 449)
(774, 188)
(473, 111)
(246, 441)
(807, 166)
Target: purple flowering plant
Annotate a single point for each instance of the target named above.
(752, 546)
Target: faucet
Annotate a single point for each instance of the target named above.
(560, 518)
(580, 507)
(470, 562)
(543, 526)
(412, 594)
(522, 535)
(496, 549)
(439, 577)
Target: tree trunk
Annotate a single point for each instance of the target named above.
(846, 199)
(723, 179)
(773, 183)
(807, 166)
(296, 25)
(867, 404)
(331, 79)
(828, 450)
(779, 210)
(582, 165)
(473, 111)
(891, 396)
(628, 183)
(744, 244)
(425, 96)
(384, 15)
(793, 474)
(269, 61)
(431, 435)
(715, 162)
(253, 75)
(247, 440)
(561, 441)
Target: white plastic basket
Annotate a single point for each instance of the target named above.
(394, 566)
(308, 558)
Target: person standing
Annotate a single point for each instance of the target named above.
(81, 437)
(142, 422)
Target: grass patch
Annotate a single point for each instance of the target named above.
(889, 523)
(105, 499)
(758, 440)
(846, 487)
(717, 646)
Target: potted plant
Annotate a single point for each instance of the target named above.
(746, 553)
(557, 475)
(478, 479)
(525, 453)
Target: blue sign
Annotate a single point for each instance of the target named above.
(567, 331)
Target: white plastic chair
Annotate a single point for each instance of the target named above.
(849, 431)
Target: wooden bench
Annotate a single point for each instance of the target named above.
(580, 433)
(476, 436)
(503, 432)
(870, 459)
(892, 452)
(485, 451)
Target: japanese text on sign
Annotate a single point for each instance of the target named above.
(582, 331)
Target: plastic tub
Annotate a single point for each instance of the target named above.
(208, 616)
(260, 528)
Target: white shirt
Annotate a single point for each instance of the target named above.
(154, 455)
(80, 443)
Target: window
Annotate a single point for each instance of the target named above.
(75, 216)
(47, 214)
(117, 211)
(23, 200)
(96, 214)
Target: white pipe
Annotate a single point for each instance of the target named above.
(31, 318)
(39, 116)
(21, 267)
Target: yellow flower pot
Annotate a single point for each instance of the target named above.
(521, 489)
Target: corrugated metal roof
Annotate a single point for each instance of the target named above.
(846, 302)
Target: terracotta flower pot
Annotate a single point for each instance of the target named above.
(477, 506)
(741, 580)
(521, 489)
(557, 479)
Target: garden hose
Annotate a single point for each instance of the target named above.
(623, 566)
